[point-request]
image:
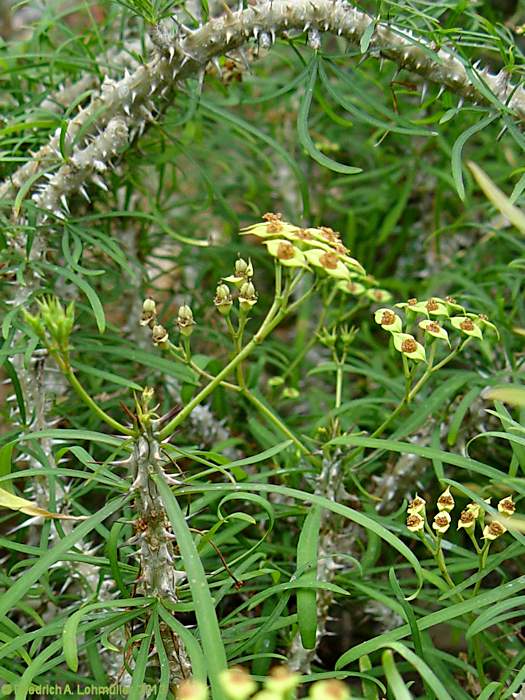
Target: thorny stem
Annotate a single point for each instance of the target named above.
(152, 85)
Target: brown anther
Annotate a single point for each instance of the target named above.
(507, 506)
(408, 345)
(274, 226)
(496, 529)
(285, 251)
(446, 500)
(442, 519)
(329, 260)
(483, 317)
(432, 305)
(341, 249)
(329, 234)
(351, 286)
(467, 325)
(434, 327)
(378, 295)
(412, 302)
(466, 517)
(388, 318)
(413, 520)
(416, 504)
(270, 216)
(450, 300)
(304, 235)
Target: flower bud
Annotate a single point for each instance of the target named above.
(223, 299)
(185, 320)
(327, 338)
(243, 272)
(149, 312)
(243, 268)
(237, 683)
(159, 335)
(247, 296)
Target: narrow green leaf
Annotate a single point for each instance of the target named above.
(307, 555)
(69, 634)
(457, 151)
(207, 622)
(395, 682)
(88, 290)
(20, 587)
(302, 127)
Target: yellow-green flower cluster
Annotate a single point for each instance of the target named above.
(472, 514)
(159, 334)
(416, 513)
(281, 684)
(318, 249)
(242, 280)
(53, 323)
(436, 312)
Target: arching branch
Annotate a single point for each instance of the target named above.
(135, 98)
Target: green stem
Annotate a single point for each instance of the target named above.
(274, 316)
(86, 398)
(272, 418)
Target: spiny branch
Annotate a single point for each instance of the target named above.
(149, 88)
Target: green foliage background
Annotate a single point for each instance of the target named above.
(286, 131)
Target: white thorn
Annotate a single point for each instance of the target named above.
(100, 182)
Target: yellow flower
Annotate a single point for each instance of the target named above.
(273, 225)
(507, 506)
(286, 253)
(466, 325)
(408, 345)
(237, 683)
(388, 320)
(282, 680)
(329, 261)
(351, 287)
(434, 329)
(441, 522)
(493, 530)
(331, 689)
(446, 501)
(192, 690)
(415, 522)
(378, 295)
(467, 519)
(417, 505)
(431, 307)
